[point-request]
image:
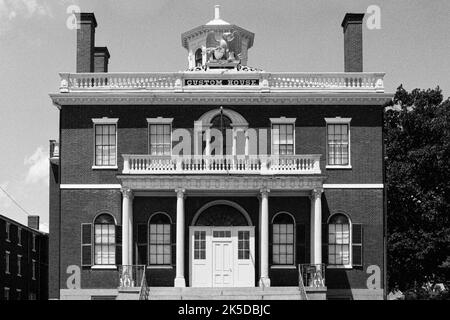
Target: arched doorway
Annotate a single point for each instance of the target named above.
(222, 246)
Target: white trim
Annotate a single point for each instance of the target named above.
(354, 186)
(281, 266)
(163, 266)
(283, 120)
(105, 168)
(346, 267)
(104, 267)
(159, 120)
(338, 120)
(105, 120)
(338, 167)
(90, 186)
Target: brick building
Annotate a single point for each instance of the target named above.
(24, 262)
(222, 176)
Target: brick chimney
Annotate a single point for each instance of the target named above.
(101, 59)
(353, 42)
(85, 41)
(33, 222)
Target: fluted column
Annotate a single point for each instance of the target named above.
(127, 225)
(264, 239)
(179, 279)
(316, 226)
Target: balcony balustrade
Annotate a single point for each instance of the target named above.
(241, 164)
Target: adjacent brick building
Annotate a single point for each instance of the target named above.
(299, 188)
(24, 263)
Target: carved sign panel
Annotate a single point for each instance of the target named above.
(221, 82)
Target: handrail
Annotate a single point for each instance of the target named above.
(143, 293)
(301, 285)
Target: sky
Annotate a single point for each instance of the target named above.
(412, 47)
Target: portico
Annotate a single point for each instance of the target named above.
(221, 243)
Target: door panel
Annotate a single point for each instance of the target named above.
(223, 264)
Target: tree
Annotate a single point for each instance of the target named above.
(417, 131)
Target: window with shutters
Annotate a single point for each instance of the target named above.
(160, 245)
(104, 240)
(339, 241)
(283, 239)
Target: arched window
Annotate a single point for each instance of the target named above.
(283, 239)
(160, 240)
(105, 240)
(339, 240)
(198, 57)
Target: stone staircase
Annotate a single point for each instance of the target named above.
(171, 293)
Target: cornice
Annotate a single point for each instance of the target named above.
(219, 98)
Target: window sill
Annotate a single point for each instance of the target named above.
(105, 167)
(330, 167)
(283, 267)
(159, 267)
(347, 267)
(105, 267)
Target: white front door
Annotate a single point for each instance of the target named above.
(222, 256)
(222, 263)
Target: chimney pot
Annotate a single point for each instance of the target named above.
(353, 42)
(33, 222)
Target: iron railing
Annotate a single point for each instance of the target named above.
(312, 275)
(131, 276)
(301, 285)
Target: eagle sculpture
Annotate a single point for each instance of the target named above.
(228, 48)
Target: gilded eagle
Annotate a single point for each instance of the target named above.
(228, 48)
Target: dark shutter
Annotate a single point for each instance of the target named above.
(86, 244)
(173, 236)
(119, 245)
(325, 243)
(142, 244)
(301, 244)
(357, 244)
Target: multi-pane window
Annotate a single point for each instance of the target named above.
(160, 240)
(105, 145)
(19, 265)
(283, 240)
(33, 269)
(338, 144)
(7, 262)
(339, 240)
(199, 245)
(243, 245)
(160, 139)
(283, 139)
(105, 240)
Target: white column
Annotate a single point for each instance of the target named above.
(316, 226)
(127, 213)
(179, 280)
(264, 239)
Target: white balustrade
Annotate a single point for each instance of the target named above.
(267, 82)
(273, 164)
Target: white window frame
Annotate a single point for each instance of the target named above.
(350, 252)
(337, 121)
(105, 121)
(19, 265)
(160, 121)
(103, 266)
(164, 265)
(285, 266)
(7, 262)
(282, 121)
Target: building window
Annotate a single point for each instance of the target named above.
(8, 231)
(19, 236)
(34, 242)
(283, 239)
(338, 142)
(198, 57)
(105, 142)
(7, 264)
(200, 245)
(160, 136)
(243, 245)
(19, 265)
(283, 136)
(339, 240)
(6, 293)
(160, 240)
(19, 294)
(105, 240)
(33, 269)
